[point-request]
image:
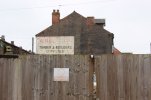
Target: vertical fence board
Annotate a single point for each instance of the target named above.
(149, 79)
(146, 76)
(120, 78)
(1, 78)
(102, 79)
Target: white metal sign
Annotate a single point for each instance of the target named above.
(55, 45)
(61, 74)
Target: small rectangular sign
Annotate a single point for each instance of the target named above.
(55, 45)
(61, 74)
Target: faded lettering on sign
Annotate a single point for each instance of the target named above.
(55, 45)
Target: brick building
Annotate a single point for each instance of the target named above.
(89, 34)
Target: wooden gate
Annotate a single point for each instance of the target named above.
(123, 77)
(31, 78)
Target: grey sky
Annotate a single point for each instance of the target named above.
(129, 20)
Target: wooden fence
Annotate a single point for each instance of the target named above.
(123, 77)
(31, 78)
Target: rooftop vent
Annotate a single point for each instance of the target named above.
(99, 22)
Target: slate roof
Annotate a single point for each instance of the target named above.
(14, 46)
(73, 23)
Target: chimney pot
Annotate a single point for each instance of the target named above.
(54, 10)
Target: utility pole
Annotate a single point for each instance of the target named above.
(32, 45)
(150, 48)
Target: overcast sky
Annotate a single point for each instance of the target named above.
(128, 20)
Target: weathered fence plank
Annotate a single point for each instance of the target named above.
(123, 77)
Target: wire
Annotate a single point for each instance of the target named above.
(91, 2)
(60, 5)
(14, 9)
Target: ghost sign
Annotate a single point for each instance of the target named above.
(55, 45)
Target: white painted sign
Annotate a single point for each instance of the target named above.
(61, 74)
(55, 45)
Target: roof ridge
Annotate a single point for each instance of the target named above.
(74, 12)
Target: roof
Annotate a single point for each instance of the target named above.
(74, 22)
(12, 45)
(116, 51)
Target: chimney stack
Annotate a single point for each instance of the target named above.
(55, 17)
(90, 21)
(3, 37)
(12, 42)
